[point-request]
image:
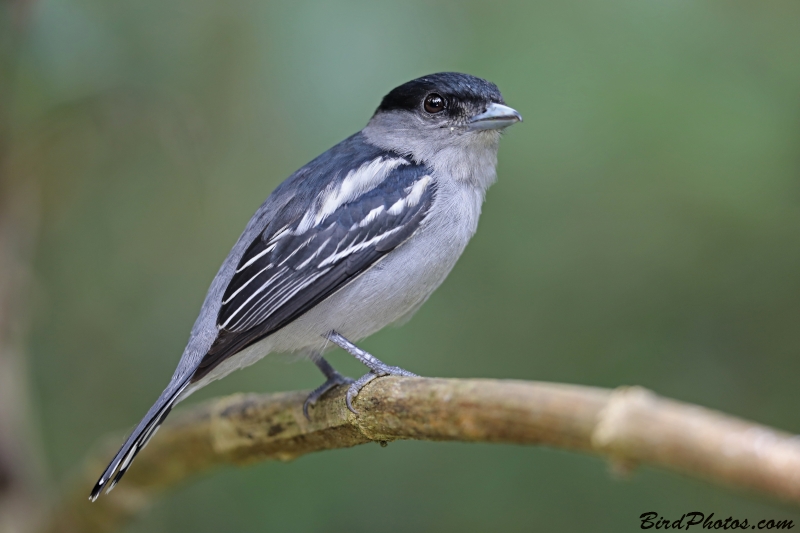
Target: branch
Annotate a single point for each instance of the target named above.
(19, 468)
(628, 425)
(20, 465)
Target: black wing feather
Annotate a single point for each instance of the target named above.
(287, 271)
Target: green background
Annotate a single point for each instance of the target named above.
(645, 229)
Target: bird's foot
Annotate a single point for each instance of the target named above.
(331, 383)
(334, 379)
(377, 369)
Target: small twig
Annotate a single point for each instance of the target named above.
(628, 425)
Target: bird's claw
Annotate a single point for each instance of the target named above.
(331, 383)
(376, 372)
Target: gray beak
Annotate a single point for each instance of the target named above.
(495, 117)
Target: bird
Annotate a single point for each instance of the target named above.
(355, 240)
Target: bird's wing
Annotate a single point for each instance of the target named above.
(307, 254)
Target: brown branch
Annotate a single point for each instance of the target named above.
(20, 465)
(627, 425)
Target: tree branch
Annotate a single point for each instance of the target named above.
(20, 468)
(627, 425)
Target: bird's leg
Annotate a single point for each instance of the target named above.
(334, 379)
(377, 368)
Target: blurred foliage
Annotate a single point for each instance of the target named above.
(644, 230)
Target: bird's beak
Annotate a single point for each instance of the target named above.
(495, 117)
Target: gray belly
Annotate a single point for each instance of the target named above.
(391, 290)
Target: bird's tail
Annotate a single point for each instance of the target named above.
(139, 438)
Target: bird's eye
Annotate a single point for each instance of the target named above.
(434, 103)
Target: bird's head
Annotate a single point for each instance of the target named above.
(442, 112)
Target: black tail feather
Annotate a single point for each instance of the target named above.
(138, 439)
